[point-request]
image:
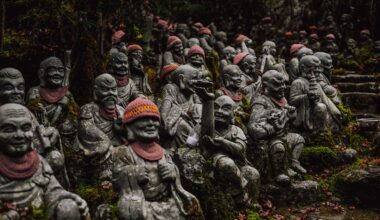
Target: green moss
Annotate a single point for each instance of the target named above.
(253, 215)
(39, 214)
(318, 158)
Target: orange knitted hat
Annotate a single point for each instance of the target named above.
(140, 108)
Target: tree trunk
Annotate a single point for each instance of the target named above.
(2, 24)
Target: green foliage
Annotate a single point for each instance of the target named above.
(253, 215)
(39, 214)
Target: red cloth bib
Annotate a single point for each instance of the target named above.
(21, 167)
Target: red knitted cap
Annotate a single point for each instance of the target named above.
(239, 39)
(303, 32)
(116, 37)
(140, 108)
(330, 36)
(134, 47)
(267, 19)
(168, 69)
(198, 25)
(315, 36)
(295, 48)
(288, 34)
(172, 41)
(204, 30)
(239, 57)
(313, 27)
(163, 24)
(365, 31)
(196, 50)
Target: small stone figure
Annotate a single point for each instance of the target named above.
(269, 125)
(244, 44)
(330, 46)
(302, 37)
(226, 146)
(268, 62)
(323, 75)
(365, 40)
(314, 43)
(232, 84)
(293, 63)
(351, 50)
(346, 27)
(99, 127)
(26, 179)
(251, 79)
(51, 101)
(315, 111)
(144, 175)
(118, 44)
(228, 58)
(126, 88)
(220, 44)
(181, 107)
(174, 51)
(139, 77)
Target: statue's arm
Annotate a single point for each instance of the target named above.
(297, 95)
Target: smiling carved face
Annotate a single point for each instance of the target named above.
(16, 130)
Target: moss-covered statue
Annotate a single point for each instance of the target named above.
(315, 111)
(26, 179)
(51, 101)
(118, 67)
(45, 139)
(269, 128)
(144, 175)
(224, 145)
(138, 75)
(99, 129)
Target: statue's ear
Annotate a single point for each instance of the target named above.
(130, 135)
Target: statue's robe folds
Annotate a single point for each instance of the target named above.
(179, 114)
(154, 200)
(42, 190)
(128, 93)
(95, 139)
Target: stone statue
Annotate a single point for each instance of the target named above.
(314, 43)
(294, 62)
(126, 88)
(268, 62)
(251, 79)
(51, 101)
(99, 130)
(365, 40)
(330, 46)
(167, 73)
(183, 32)
(269, 128)
(232, 84)
(225, 146)
(181, 108)
(138, 75)
(323, 76)
(244, 44)
(346, 27)
(144, 176)
(45, 139)
(229, 54)
(220, 44)
(315, 111)
(26, 179)
(118, 44)
(351, 49)
(174, 51)
(302, 37)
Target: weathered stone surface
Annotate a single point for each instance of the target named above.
(360, 186)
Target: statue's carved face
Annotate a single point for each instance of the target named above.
(309, 66)
(230, 53)
(54, 74)
(224, 108)
(178, 49)
(119, 64)
(249, 65)
(121, 47)
(197, 60)
(16, 131)
(106, 91)
(275, 87)
(233, 78)
(351, 44)
(145, 129)
(327, 65)
(137, 55)
(12, 89)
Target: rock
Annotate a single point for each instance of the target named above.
(360, 186)
(350, 155)
(318, 158)
(298, 192)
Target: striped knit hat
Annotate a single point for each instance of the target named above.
(168, 69)
(140, 108)
(172, 41)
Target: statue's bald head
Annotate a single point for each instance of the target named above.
(12, 86)
(13, 110)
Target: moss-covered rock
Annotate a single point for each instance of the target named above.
(318, 158)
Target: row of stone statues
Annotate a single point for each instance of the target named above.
(125, 138)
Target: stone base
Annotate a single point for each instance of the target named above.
(297, 193)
